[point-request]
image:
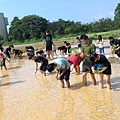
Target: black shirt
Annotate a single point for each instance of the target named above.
(103, 61)
(48, 39)
(40, 59)
(8, 50)
(115, 42)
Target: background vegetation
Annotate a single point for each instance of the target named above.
(31, 29)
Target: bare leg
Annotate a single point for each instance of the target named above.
(107, 77)
(62, 83)
(77, 69)
(5, 67)
(84, 78)
(52, 54)
(93, 79)
(44, 73)
(100, 78)
(48, 55)
(68, 83)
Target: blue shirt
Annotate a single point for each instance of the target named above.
(62, 63)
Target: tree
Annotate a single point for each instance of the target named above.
(29, 27)
(117, 12)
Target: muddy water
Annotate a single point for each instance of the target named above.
(26, 96)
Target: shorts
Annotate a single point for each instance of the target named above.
(44, 66)
(86, 67)
(107, 71)
(66, 75)
(49, 48)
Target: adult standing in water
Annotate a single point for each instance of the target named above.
(87, 49)
(49, 43)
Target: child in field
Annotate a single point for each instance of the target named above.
(30, 50)
(75, 60)
(42, 60)
(62, 67)
(8, 50)
(17, 52)
(68, 46)
(63, 50)
(103, 68)
(2, 60)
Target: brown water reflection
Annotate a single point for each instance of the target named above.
(26, 96)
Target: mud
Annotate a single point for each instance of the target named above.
(26, 96)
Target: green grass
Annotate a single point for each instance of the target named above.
(93, 36)
(32, 41)
(105, 35)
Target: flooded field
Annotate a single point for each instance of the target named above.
(26, 96)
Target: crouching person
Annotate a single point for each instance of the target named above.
(62, 67)
(42, 60)
(102, 67)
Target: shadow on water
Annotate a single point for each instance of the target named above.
(14, 67)
(79, 85)
(12, 83)
(4, 76)
(115, 82)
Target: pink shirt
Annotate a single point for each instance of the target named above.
(75, 59)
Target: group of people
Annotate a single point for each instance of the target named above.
(93, 63)
(5, 54)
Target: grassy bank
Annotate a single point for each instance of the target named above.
(93, 36)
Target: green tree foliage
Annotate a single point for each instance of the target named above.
(117, 13)
(29, 27)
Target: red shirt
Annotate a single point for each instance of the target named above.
(75, 59)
